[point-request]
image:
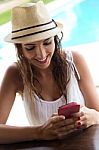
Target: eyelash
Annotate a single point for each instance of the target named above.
(48, 43)
(31, 48)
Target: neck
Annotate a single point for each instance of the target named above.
(42, 73)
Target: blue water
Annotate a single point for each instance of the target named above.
(86, 26)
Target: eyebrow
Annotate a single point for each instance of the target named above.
(30, 44)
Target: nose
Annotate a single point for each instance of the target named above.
(41, 52)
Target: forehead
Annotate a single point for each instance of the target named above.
(44, 40)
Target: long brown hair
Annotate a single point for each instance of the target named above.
(59, 68)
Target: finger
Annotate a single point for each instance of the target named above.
(54, 120)
(64, 123)
(81, 124)
(55, 114)
(64, 134)
(82, 113)
(66, 128)
(65, 131)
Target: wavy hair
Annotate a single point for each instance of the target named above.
(59, 68)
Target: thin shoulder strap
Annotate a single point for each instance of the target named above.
(71, 65)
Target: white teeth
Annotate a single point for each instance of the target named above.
(42, 59)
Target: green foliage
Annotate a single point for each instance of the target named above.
(47, 1)
(5, 16)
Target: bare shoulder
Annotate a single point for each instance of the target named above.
(79, 60)
(77, 57)
(13, 77)
(12, 71)
(12, 68)
(81, 65)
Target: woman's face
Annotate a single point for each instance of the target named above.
(39, 53)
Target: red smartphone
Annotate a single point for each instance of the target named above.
(68, 109)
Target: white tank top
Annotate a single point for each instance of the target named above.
(38, 110)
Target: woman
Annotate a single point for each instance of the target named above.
(46, 77)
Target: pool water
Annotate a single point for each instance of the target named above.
(81, 22)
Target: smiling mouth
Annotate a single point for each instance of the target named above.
(42, 60)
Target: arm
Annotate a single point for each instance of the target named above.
(86, 82)
(10, 85)
(88, 89)
(13, 134)
(54, 128)
(7, 94)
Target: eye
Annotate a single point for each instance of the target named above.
(29, 48)
(47, 43)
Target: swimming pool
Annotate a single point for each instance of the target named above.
(80, 19)
(81, 22)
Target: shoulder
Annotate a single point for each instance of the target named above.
(81, 65)
(12, 71)
(12, 68)
(77, 57)
(13, 77)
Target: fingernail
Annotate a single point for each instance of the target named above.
(78, 123)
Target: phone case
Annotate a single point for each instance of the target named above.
(68, 109)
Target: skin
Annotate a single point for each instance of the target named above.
(39, 54)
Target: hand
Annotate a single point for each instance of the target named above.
(57, 127)
(87, 116)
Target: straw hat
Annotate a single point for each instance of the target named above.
(31, 22)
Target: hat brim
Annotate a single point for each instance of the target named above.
(36, 37)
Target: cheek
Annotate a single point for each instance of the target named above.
(52, 48)
(27, 55)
